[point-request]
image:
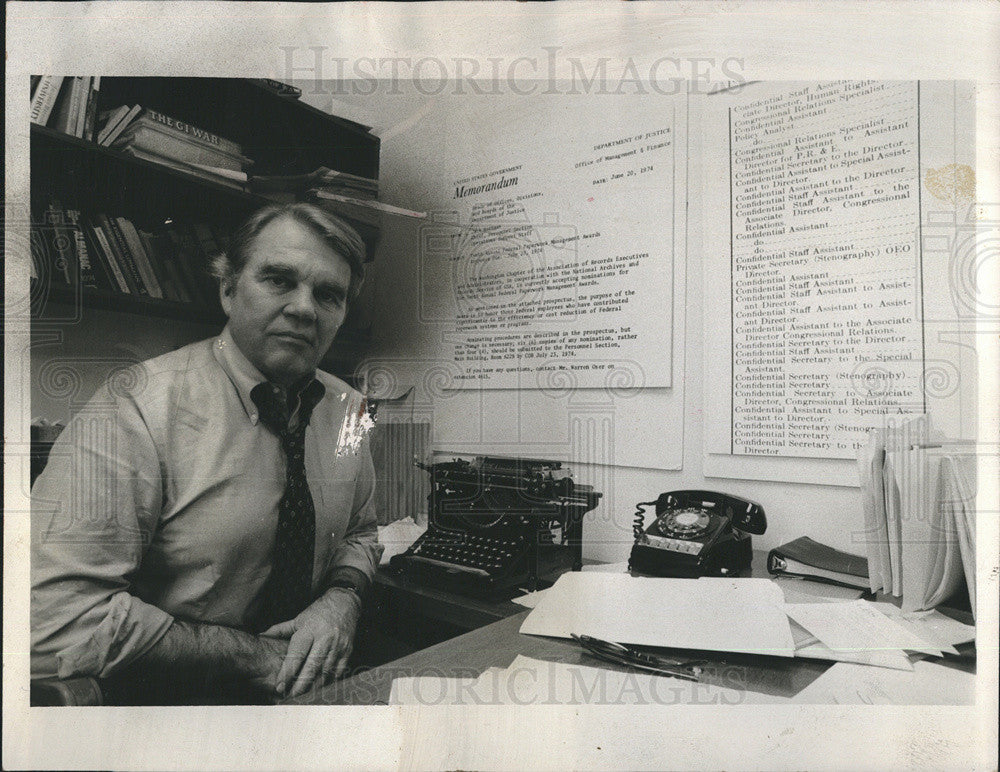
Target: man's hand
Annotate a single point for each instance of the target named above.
(217, 650)
(320, 641)
(269, 656)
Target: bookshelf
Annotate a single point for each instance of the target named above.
(280, 134)
(45, 299)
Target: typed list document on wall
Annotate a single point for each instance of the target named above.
(826, 273)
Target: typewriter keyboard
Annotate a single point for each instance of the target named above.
(471, 553)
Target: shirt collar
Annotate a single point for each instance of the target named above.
(244, 376)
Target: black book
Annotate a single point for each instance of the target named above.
(812, 560)
(90, 275)
(121, 256)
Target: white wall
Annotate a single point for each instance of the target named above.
(830, 514)
(68, 361)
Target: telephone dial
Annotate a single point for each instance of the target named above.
(696, 533)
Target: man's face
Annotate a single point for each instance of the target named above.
(287, 304)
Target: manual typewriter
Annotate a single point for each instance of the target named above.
(498, 524)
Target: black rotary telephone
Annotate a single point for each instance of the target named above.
(696, 533)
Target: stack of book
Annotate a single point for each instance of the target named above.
(287, 188)
(70, 104)
(66, 104)
(919, 498)
(348, 195)
(108, 252)
(153, 136)
(279, 88)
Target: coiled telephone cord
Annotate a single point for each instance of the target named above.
(640, 517)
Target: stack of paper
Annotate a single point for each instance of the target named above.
(739, 615)
(919, 505)
(532, 599)
(876, 634)
(926, 684)
(714, 614)
(958, 511)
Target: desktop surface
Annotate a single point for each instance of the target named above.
(498, 644)
(493, 640)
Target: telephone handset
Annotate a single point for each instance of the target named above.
(696, 533)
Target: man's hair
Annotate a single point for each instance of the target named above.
(332, 230)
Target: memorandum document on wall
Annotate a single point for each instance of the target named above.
(551, 257)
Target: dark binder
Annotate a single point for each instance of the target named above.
(811, 560)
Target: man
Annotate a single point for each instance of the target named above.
(212, 513)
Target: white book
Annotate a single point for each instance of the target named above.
(377, 205)
(80, 119)
(110, 135)
(113, 119)
(45, 97)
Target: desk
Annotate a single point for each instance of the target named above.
(498, 642)
(405, 615)
(400, 593)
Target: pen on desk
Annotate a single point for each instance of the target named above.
(631, 657)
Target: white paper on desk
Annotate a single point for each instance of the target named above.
(856, 627)
(398, 536)
(809, 647)
(933, 626)
(798, 590)
(432, 690)
(531, 681)
(738, 615)
(927, 684)
(894, 659)
(606, 568)
(530, 599)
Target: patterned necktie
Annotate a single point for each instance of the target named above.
(288, 589)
